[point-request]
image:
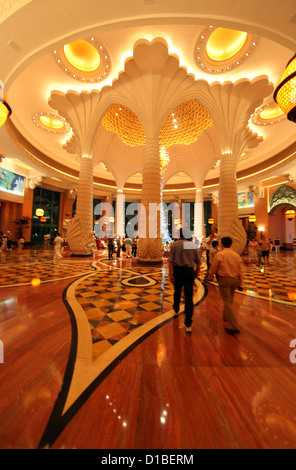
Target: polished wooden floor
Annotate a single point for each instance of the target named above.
(96, 359)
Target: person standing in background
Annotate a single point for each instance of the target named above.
(208, 243)
(118, 247)
(277, 244)
(110, 247)
(128, 245)
(58, 243)
(9, 239)
(265, 250)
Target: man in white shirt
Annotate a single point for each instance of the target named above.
(58, 242)
(229, 269)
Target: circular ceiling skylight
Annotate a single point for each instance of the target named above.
(219, 50)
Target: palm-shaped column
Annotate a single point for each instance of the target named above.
(150, 85)
(150, 246)
(231, 106)
(198, 215)
(80, 110)
(119, 216)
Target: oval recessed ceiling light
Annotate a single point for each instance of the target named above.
(82, 55)
(85, 60)
(225, 43)
(219, 50)
(51, 123)
(268, 114)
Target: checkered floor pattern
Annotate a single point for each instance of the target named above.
(114, 309)
(31, 265)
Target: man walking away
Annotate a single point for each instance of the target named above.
(229, 269)
(184, 266)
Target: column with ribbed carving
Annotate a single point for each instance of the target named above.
(228, 206)
(228, 221)
(198, 215)
(85, 195)
(150, 246)
(119, 213)
(80, 230)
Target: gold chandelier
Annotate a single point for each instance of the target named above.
(285, 92)
(183, 126)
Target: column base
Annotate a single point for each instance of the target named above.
(149, 263)
(79, 255)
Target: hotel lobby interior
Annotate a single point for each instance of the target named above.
(145, 102)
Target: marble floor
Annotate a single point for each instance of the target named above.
(92, 356)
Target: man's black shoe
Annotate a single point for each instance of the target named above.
(232, 332)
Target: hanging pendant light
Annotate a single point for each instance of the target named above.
(285, 92)
(290, 214)
(210, 221)
(39, 211)
(252, 219)
(5, 111)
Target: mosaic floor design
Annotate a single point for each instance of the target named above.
(114, 308)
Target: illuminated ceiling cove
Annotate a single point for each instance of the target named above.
(54, 47)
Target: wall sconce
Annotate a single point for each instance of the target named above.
(285, 92)
(261, 230)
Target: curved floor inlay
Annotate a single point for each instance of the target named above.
(109, 319)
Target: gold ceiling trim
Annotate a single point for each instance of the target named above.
(208, 65)
(183, 126)
(93, 76)
(262, 116)
(49, 122)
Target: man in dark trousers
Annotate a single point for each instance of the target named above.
(184, 266)
(110, 247)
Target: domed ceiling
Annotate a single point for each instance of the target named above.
(83, 49)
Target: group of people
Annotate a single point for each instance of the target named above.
(227, 266)
(6, 241)
(126, 245)
(258, 251)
